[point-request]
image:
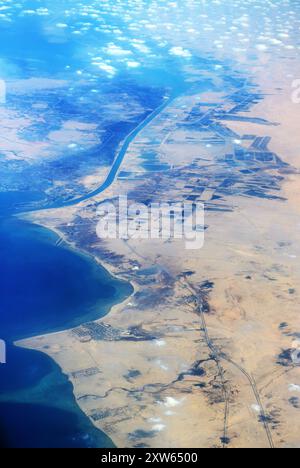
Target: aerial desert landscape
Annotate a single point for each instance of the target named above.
(190, 347)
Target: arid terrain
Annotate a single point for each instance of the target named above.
(205, 352)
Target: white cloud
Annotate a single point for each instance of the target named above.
(180, 52)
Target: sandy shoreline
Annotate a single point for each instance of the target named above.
(79, 250)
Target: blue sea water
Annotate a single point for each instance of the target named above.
(38, 408)
(48, 288)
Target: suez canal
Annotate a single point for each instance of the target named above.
(118, 160)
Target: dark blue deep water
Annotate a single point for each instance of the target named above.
(45, 288)
(48, 288)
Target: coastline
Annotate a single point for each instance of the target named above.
(79, 250)
(34, 395)
(115, 309)
(151, 393)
